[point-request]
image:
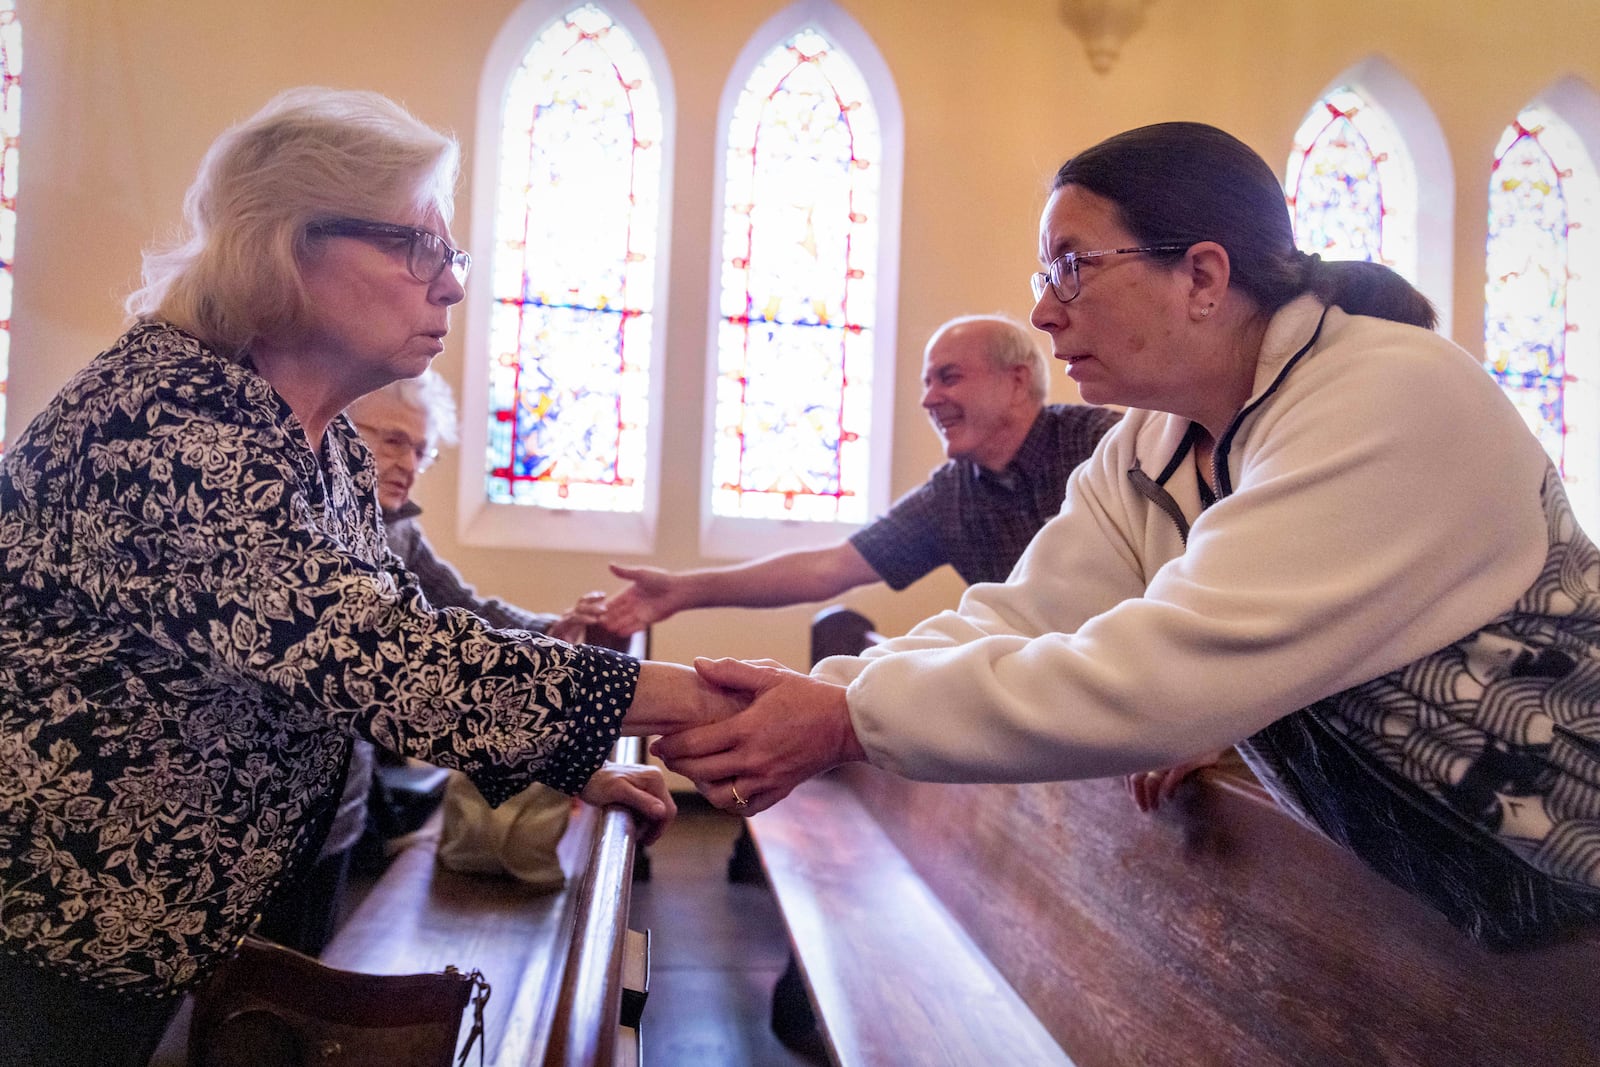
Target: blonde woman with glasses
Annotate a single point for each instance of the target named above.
(198, 612)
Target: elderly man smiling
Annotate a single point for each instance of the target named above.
(1009, 454)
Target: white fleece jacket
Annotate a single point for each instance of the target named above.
(1385, 504)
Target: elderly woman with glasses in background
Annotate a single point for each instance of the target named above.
(403, 424)
(1320, 532)
(198, 612)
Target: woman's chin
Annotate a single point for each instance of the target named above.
(1093, 392)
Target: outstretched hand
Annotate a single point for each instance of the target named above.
(573, 627)
(654, 595)
(795, 727)
(637, 787)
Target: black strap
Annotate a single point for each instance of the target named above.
(1416, 842)
(480, 997)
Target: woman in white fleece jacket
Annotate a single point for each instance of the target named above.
(1318, 533)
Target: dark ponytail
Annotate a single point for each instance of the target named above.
(1187, 182)
(1363, 288)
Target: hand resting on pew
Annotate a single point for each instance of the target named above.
(1151, 789)
(639, 788)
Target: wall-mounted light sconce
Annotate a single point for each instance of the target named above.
(1103, 26)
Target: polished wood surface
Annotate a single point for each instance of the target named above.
(590, 987)
(421, 917)
(892, 976)
(554, 960)
(1218, 931)
(1223, 932)
(840, 631)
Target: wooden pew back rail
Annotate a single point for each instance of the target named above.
(559, 963)
(1220, 931)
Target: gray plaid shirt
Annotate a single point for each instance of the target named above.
(979, 521)
(442, 584)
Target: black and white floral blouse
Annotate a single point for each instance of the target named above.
(196, 613)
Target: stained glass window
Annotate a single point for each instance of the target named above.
(573, 271)
(1542, 188)
(10, 127)
(798, 290)
(1351, 184)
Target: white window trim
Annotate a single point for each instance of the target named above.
(739, 538)
(1578, 105)
(1377, 80)
(479, 521)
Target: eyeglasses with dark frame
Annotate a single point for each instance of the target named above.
(396, 444)
(1062, 273)
(427, 254)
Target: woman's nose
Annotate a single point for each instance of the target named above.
(1048, 312)
(447, 288)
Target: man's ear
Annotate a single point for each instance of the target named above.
(1022, 378)
(1207, 272)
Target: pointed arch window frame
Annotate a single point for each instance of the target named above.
(1577, 106)
(480, 521)
(725, 537)
(1431, 204)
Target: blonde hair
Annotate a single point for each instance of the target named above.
(1012, 345)
(310, 154)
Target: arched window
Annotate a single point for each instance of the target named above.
(802, 338)
(10, 128)
(573, 268)
(1543, 265)
(1348, 172)
(1361, 156)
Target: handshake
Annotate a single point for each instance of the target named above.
(746, 733)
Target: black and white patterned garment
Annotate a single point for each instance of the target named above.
(196, 613)
(1441, 772)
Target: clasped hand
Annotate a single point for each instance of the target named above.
(766, 730)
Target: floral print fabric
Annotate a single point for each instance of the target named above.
(196, 614)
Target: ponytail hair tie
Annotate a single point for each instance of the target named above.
(1308, 262)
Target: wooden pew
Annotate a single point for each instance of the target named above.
(569, 978)
(1219, 931)
(554, 961)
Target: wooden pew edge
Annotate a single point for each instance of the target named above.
(591, 980)
(546, 1025)
(825, 811)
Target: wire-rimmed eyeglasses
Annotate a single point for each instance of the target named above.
(1062, 273)
(397, 444)
(427, 254)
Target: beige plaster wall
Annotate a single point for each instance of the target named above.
(122, 97)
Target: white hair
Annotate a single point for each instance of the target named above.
(427, 393)
(1012, 345)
